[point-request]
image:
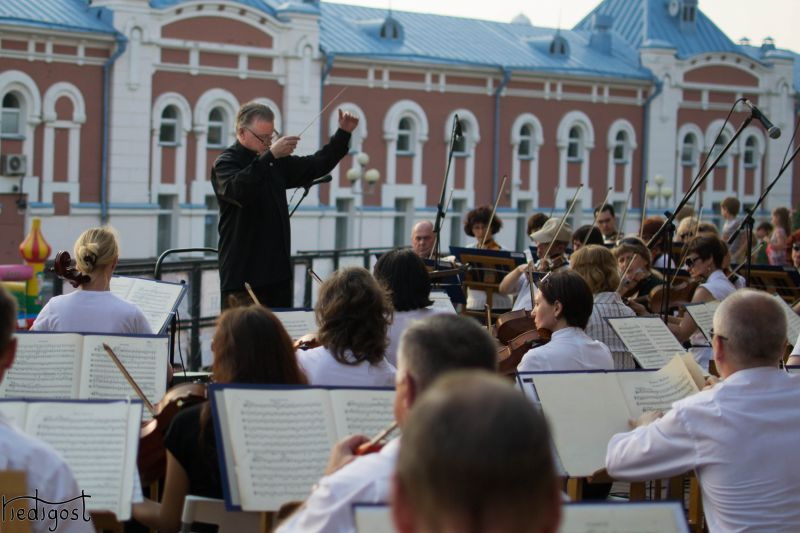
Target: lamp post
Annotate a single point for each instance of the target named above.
(658, 179)
(357, 175)
(651, 194)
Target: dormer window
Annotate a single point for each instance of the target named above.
(688, 13)
(559, 46)
(391, 30)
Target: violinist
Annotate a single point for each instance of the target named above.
(93, 307)
(635, 266)
(551, 241)
(477, 224)
(595, 263)
(660, 257)
(606, 222)
(250, 345)
(588, 234)
(564, 304)
(704, 261)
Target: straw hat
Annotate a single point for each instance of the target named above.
(547, 233)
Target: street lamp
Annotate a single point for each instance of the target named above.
(659, 180)
(357, 174)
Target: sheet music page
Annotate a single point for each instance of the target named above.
(792, 320)
(297, 323)
(584, 410)
(441, 302)
(703, 316)
(14, 412)
(363, 412)
(583, 517)
(156, 300)
(47, 365)
(99, 443)
(145, 358)
(648, 339)
(281, 441)
(121, 286)
(373, 518)
(656, 391)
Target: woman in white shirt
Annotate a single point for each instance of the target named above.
(92, 307)
(406, 279)
(564, 304)
(353, 313)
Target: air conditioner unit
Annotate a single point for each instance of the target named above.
(13, 165)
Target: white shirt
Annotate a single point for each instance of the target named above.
(400, 322)
(523, 298)
(46, 472)
(740, 437)
(329, 508)
(720, 287)
(91, 311)
(568, 349)
(609, 305)
(322, 369)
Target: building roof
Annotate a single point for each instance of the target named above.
(352, 31)
(648, 23)
(69, 15)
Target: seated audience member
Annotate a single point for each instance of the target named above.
(580, 235)
(92, 307)
(738, 435)
(729, 210)
(476, 224)
(422, 239)
(406, 279)
(516, 281)
(475, 457)
(595, 263)
(606, 221)
(249, 346)
(353, 314)
(564, 304)
(45, 470)
(428, 349)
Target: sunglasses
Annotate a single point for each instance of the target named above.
(796, 247)
(690, 261)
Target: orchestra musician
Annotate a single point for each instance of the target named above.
(422, 239)
(428, 349)
(606, 221)
(477, 224)
(587, 233)
(45, 470)
(353, 313)
(250, 345)
(637, 272)
(492, 470)
(93, 307)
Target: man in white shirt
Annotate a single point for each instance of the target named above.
(428, 349)
(48, 477)
(739, 436)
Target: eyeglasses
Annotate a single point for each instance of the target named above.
(796, 247)
(266, 141)
(690, 261)
(722, 337)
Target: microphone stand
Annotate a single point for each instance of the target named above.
(748, 221)
(668, 227)
(437, 227)
(306, 190)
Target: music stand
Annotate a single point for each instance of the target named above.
(486, 269)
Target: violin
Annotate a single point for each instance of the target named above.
(517, 332)
(680, 294)
(64, 267)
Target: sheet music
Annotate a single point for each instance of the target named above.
(648, 339)
(156, 301)
(46, 366)
(703, 316)
(14, 412)
(441, 302)
(656, 391)
(297, 323)
(281, 441)
(121, 286)
(98, 442)
(792, 320)
(651, 517)
(363, 412)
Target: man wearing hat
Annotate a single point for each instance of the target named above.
(516, 282)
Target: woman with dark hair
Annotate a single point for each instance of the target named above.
(404, 276)
(249, 346)
(580, 235)
(353, 313)
(564, 304)
(635, 265)
(776, 249)
(476, 225)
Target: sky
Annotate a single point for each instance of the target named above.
(737, 18)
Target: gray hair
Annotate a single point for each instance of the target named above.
(754, 325)
(251, 111)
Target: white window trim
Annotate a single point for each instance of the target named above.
(472, 138)
(537, 140)
(156, 147)
(73, 126)
(582, 120)
(630, 149)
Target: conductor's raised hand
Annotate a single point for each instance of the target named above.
(284, 146)
(347, 121)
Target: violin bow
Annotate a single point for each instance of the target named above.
(685, 251)
(644, 212)
(625, 272)
(494, 210)
(129, 379)
(314, 275)
(594, 220)
(563, 220)
(367, 446)
(251, 293)
(621, 228)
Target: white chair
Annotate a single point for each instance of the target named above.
(212, 511)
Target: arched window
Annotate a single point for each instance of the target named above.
(525, 148)
(216, 128)
(11, 126)
(460, 144)
(722, 140)
(689, 149)
(405, 136)
(168, 133)
(621, 147)
(575, 144)
(750, 152)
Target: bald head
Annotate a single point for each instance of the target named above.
(422, 238)
(750, 327)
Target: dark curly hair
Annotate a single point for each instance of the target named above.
(353, 313)
(406, 279)
(481, 215)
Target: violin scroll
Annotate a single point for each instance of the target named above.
(64, 267)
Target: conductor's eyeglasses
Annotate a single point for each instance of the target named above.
(266, 140)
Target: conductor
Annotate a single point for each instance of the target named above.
(250, 179)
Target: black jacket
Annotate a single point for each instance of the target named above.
(254, 231)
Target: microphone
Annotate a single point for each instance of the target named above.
(458, 133)
(319, 181)
(773, 131)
